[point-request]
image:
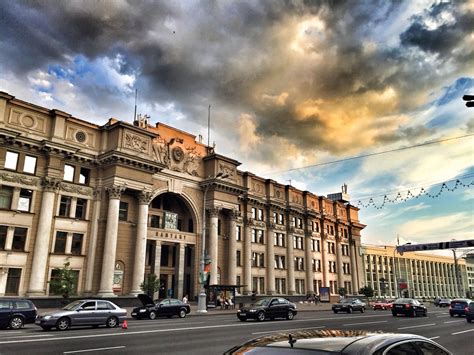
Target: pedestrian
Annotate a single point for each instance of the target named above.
(185, 299)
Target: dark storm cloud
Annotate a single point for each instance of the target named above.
(410, 134)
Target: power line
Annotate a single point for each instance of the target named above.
(370, 154)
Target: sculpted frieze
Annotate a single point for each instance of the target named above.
(71, 188)
(174, 157)
(135, 142)
(18, 178)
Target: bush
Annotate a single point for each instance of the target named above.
(65, 282)
(150, 285)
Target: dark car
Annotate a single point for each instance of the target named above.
(339, 342)
(458, 307)
(15, 313)
(271, 307)
(408, 307)
(470, 312)
(166, 308)
(349, 306)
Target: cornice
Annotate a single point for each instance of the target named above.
(124, 159)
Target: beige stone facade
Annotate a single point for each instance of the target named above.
(120, 201)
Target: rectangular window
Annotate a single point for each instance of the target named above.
(154, 221)
(255, 284)
(260, 215)
(13, 282)
(68, 173)
(281, 219)
(29, 166)
(238, 258)
(24, 202)
(261, 262)
(19, 239)
(84, 176)
(11, 160)
(81, 207)
(165, 251)
(300, 223)
(55, 276)
(254, 213)
(281, 239)
(65, 206)
(3, 237)
(60, 243)
(275, 217)
(261, 236)
(293, 222)
(238, 233)
(76, 246)
(262, 285)
(6, 194)
(254, 235)
(123, 211)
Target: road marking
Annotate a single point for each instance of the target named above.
(453, 321)
(287, 330)
(464, 331)
(382, 321)
(98, 349)
(446, 315)
(36, 336)
(418, 326)
(433, 338)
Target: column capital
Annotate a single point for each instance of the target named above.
(50, 184)
(234, 215)
(145, 197)
(213, 212)
(115, 191)
(249, 221)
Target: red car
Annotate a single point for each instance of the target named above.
(382, 304)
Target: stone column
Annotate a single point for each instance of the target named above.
(180, 278)
(247, 262)
(270, 262)
(324, 260)
(110, 245)
(290, 263)
(213, 244)
(144, 199)
(339, 266)
(232, 266)
(352, 251)
(157, 264)
(93, 241)
(43, 234)
(309, 264)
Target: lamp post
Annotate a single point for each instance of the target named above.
(397, 285)
(202, 294)
(456, 272)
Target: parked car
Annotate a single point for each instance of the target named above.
(470, 312)
(270, 307)
(83, 312)
(444, 302)
(382, 304)
(339, 342)
(166, 308)
(349, 306)
(408, 307)
(458, 307)
(15, 313)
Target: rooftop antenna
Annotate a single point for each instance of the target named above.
(208, 127)
(135, 114)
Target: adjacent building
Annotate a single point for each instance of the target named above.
(119, 201)
(412, 274)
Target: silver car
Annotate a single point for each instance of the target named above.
(83, 312)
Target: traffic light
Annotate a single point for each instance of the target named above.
(469, 100)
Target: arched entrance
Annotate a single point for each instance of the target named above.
(171, 245)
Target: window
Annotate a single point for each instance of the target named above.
(102, 305)
(345, 249)
(332, 266)
(258, 259)
(279, 239)
(299, 283)
(260, 237)
(298, 243)
(254, 213)
(275, 217)
(68, 172)
(6, 194)
(76, 245)
(331, 248)
(22, 305)
(299, 263)
(81, 207)
(300, 223)
(123, 211)
(24, 202)
(260, 215)
(238, 233)
(254, 235)
(11, 160)
(281, 219)
(29, 166)
(280, 286)
(13, 282)
(316, 265)
(60, 243)
(55, 274)
(84, 176)
(3, 237)
(65, 206)
(237, 259)
(279, 261)
(315, 245)
(19, 239)
(154, 221)
(402, 349)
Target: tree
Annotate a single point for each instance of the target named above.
(64, 282)
(367, 291)
(150, 285)
(342, 291)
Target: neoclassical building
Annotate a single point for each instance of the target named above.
(119, 201)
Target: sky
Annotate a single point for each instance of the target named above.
(296, 88)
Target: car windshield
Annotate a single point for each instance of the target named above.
(72, 306)
(263, 302)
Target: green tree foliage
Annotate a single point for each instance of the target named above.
(367, 291)
(150, 285)
(342, 291)
(65, 282)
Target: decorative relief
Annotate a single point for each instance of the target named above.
(80, 136)
(260, 224)
(279, 227)
(97, 193)
(145, 197)
(81, 190)
(297, 199)
(134, 142)
(249, 221)
(213, 212)
(177, 154)
(20, 179)
(23, 119)
(176, 158)
(115, 191)
(229, 170)
(278, 193)
(28, 121)
(234, 215)
(50, 184)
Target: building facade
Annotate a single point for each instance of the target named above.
(470, 273)
(412, 274)
(120, 201)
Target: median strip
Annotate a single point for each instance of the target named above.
(417, 326)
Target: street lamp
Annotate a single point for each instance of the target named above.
(397, 286)
(456, 271)
(202, 308)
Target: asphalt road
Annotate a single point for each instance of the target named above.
(214, 334)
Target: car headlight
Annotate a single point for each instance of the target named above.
(252, 310)
(47, 317)
(142, 310)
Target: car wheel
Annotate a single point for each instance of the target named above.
(335, 312)
(349, 310)
(63, 323)
(469, 320)
(46, 327)
(290, 315)
(112, 322)
(362, 310)
(152, 315)
(261, 316)
(16, 323)
(182, 313)
(243, 319)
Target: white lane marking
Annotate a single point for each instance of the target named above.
(454, 321)
(88, 350)
(287, 330)
(382, 321)
(446, 315)
(432, 338)
(464, 331)
(8, 333)
(36, 336)
(418, 326)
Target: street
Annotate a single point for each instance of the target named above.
(214, 334)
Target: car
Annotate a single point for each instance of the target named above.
(408, 307)
(166, 308)
(15, 313)
(270, 307)
(444, 302)
(470, 312)
(458, 307)
(348, 342)
(82, 313)
(382, 304)
(349, 306)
